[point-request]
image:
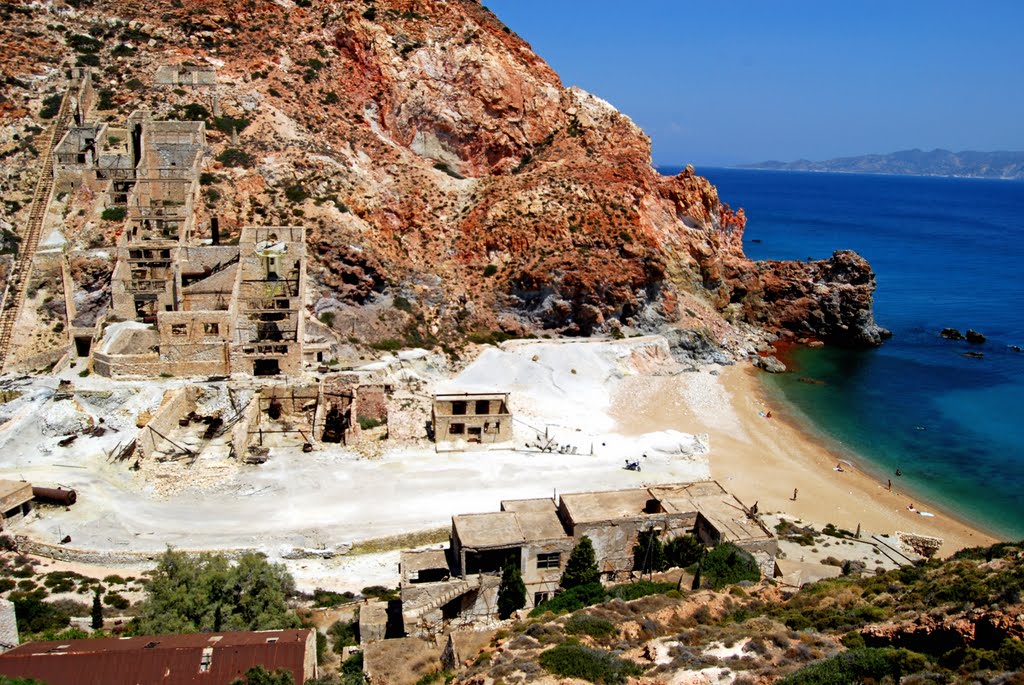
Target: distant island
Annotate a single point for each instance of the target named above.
(966, 164)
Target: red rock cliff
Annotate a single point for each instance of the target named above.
(433, 155)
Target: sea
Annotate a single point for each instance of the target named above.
(947, 252)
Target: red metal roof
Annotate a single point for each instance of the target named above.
(159, 659)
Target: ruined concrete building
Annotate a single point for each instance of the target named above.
(538, 535)
(15, 501)
(463, 421)
(178, 75)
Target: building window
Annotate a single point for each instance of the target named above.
(457, 428)
(483, 407)
(179, 329)
(211, 328)
(459, 408)
(549, 560)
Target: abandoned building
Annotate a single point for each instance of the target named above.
(462, 421)
(15, 501)
(538, 535)
(178, 75)
(213, 658)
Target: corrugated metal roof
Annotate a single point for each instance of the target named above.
(159, 659)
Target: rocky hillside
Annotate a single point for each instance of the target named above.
(452, 186)
(958, 621)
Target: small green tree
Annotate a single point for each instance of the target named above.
(190, 594)
(511, 591)
(581, 569)
(97, 611)
(727, 564)
(683, 551)
(258, 675)
(649, 552)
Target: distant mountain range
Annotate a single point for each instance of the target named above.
(969, 164)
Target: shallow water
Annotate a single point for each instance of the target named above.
(947, 252)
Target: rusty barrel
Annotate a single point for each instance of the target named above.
(55, 496)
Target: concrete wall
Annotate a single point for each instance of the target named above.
(176, 403)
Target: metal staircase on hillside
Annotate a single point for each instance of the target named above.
(17, 280)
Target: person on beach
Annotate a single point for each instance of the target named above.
(890, 485)
(838, 467)
(794, 494)
(910, 507)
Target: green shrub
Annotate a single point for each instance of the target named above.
(581, 568)
(649, 552)
(572, 600)
(330, 598)
(585, 624)
(387, 345)
(51, 105)
(116, 600)
(344, 634)
(295, 193)
(36, 616)
(490, 270)
(380, 592)
(226, 124)
(511, 590)
(206, 178)
(858, 666)
(727, 564)
(683, 551)
(233, 157)
(367, 422)
(116, 213)
(596, 665)
(191, 112)
(402, 303)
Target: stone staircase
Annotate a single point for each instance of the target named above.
(17, 281)
(451, 590)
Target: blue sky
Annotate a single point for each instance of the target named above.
(726, 81)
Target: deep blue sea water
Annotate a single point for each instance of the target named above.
(947, 252)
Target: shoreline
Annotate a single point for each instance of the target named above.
(800, 457)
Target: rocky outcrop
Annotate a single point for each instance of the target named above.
(431, 153)
(982, 629)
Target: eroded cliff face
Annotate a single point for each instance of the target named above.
(435, 157)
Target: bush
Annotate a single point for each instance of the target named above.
(441, 166)
(330, 598)
(572, 600)
(380, 592)
(51, 105)
(490, 270)
(585, 624)
(36, 616)
(114, 213)
(511, 591)
(227, 124)
(116, 600)
(683, 551)
(727, 564)
(596, 665)
(207, 178)
(859, 665)
(295, 193)
(233, 157)
(368, 422)
(344, 634)
(649, 552)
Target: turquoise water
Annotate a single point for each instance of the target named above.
(947, 252)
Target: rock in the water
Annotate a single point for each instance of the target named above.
(1015, 348)
(974, 355)
(974, 336)
(951, 334)
(770, 364)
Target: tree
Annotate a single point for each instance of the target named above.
(581, 569)
(727, 564)
(7, 680)
(97, 611)
(206, 592)
(649, 552)
(257, 675)
(683, 551)
(511, 591)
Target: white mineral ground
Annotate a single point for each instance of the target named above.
(607, 401)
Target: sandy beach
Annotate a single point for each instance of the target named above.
(764, 459)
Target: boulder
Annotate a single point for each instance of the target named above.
(974, 336)
(769, 364)
(951, 334)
